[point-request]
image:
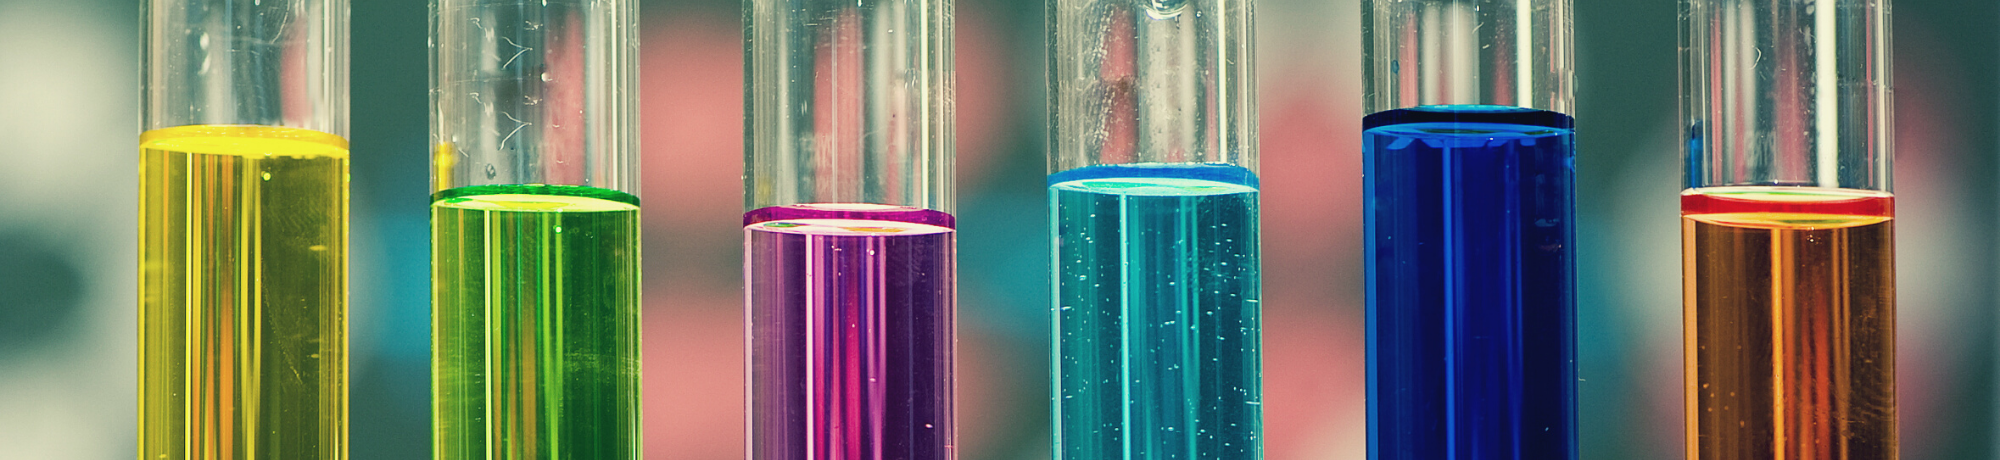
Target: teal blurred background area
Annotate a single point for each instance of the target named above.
(68, 163)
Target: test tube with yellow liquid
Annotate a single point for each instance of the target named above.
(243, 230)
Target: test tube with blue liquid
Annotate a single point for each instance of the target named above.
(1469, 187)
(849, 240)
(1153, 198)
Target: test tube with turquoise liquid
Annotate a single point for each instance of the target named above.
(1153, 202)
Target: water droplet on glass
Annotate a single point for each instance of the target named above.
(491, 171)
(1165, 9)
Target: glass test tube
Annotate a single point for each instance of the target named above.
(1786, 225)
(1153, 197)
(535, 230)
(243, 230)
(1469, 186)
(849, 245)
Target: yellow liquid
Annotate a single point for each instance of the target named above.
(242, 293)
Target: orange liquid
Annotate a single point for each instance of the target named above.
(1790, 310)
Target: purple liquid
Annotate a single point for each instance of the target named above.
(850, 313)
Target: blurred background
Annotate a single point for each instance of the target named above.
(68, 131)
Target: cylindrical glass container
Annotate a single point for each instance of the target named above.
(243, 230)
(535, 230)
(1786, 226)
(849, 259)
(1469, 189)
(1153, 198)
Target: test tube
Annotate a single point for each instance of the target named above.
(1153, 201)
(243, 230)
(849, 241)
(1469, 189)
(535, 230)
(1786, 224)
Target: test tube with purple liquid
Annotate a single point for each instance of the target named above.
(849, 242)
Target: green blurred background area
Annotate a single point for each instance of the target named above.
(68, 161)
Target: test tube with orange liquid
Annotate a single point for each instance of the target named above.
(1787, 230)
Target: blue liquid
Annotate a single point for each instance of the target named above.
(1157, 292)
(1471, 284)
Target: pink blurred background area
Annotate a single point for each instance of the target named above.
(69, 95)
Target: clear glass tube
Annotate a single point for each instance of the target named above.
(535, 230)
(243, 230)
(1153, 194)
(1470, 199)
(849, 241)
(1787, 229)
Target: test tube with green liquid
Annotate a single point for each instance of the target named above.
(534, 230)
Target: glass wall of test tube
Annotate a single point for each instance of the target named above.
(243, 230)
(1154, 197)
(849, 240)
(1787, 227)
(535, 230)
(559, 108)
(1469, 188)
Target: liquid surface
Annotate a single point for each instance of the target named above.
(1157, 313)
(535, 323)
(242, 293)
(1790, 330)
(851, 332)
(1471, 284)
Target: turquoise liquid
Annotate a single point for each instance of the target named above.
(1157, 314)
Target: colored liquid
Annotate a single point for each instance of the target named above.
(1471, 284)
(851, 323)
(242, 293)
(1790, 305)
(1157, 315)
(535, 327)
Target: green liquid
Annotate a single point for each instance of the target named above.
(535, 323)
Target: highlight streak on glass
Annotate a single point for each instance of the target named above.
(536, 323)
(242, 293)
(1157, 321)
(1791, 312)
(1471, 284)
(850, 312)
